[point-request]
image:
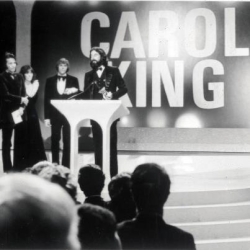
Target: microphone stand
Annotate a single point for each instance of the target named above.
(82, 92)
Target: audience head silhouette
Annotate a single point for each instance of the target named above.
(97, 228)
(36, 214)
(62, 176)
(91, 180)
(119, 184)
(122, 203)
(150, 185)
(38, 167)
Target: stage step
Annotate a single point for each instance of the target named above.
(224, 244)
(208, 197)
(217, 229)
(214, 226)
(206, 213)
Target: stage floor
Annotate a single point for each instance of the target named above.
(188, 171)
(192, 171)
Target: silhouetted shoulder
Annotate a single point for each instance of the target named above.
(180, 234)
(153, 233)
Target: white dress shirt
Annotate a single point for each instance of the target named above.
(61, 84)
(100, 71)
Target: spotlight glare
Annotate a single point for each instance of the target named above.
(188, 120)
(124, 121)
(94, 2)
(157, 118)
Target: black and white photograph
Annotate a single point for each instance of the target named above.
(124, 124)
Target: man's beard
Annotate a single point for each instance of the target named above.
(95, 64)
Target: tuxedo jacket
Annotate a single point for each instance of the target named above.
(113, 83)
(51, 93)
(11, 93)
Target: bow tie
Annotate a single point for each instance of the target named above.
(100, 68)
(61, 77)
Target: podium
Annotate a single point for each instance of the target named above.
(103, 112)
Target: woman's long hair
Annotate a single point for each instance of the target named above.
(25, 69)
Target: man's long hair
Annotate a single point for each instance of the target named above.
(102, 53)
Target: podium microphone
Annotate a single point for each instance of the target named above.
(82, 92)
(73, 96)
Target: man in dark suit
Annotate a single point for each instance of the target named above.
(59, 87)
(150, 186)
(104, 83)
(12, 98)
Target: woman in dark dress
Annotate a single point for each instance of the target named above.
(28, 142)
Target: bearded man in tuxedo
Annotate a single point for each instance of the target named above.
(59, 87)
(104, 83)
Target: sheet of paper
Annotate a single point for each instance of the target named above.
(17, 118)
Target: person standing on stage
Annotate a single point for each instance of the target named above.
(104, 83)
(59, 87)
(29, 148)
(12, 98)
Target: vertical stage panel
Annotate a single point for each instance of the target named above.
(7, 36)
(7, 30)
